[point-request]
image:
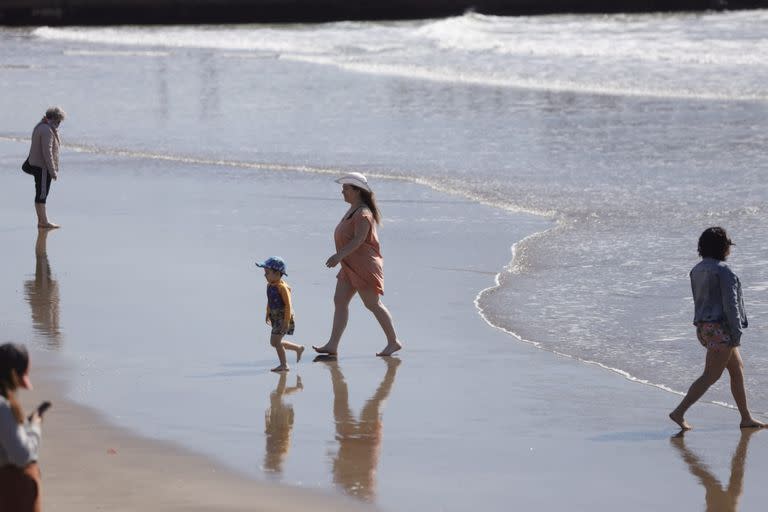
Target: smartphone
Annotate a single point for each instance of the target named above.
(40, 409)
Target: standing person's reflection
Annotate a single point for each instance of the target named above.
(278, 422)
(719, 499)
(42, 294)
(354, 466)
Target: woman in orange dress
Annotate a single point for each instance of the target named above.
(358, 252)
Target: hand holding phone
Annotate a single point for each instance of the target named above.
(40, 410)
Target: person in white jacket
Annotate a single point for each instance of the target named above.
(19, 436)
(44, 161)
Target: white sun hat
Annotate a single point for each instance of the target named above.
(355, 178)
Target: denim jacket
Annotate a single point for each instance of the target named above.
(717, 297)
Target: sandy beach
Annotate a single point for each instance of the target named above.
(156, 359)
(89, 463)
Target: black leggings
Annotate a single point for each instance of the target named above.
(42, 184)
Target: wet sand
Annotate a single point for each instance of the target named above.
(157, 324)
(89, 463)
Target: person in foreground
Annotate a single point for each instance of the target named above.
(720, 320)
(279, 311)
(358, 252)
(19, 436)
(43, 161)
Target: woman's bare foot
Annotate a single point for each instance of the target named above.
(299, 352)
(48, 225)
(678, 418)
(752, 423)
(390, 349)
(324, 350)
(280, 369)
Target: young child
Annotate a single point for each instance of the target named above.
(279, 310)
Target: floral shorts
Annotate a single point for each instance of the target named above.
(713, 335)
(276, 319)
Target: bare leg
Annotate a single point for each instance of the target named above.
(736, 372)
(373, 303)
(299, 349)
(42, 217)
(276, 340)
(714, 366)
(341, 300)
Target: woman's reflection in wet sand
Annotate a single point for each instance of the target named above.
(719, 499)
(278, 422)
(354, 466)
(42, 294)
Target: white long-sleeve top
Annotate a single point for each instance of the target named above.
(19, 444)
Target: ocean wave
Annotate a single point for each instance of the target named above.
(714, 57)
(669, 39)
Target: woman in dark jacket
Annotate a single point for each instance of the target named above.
(720, 319)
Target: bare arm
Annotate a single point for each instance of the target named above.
(20, 442)
(285, 294)
(362, 228)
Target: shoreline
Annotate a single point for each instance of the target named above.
(588, 362)
(539, 415)
(550, 217)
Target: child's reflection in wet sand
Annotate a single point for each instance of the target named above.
(278, 423)
(355, 462)
(719, 499)
(42, 294)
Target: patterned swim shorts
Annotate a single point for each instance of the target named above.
(276, 319)
(713, 335)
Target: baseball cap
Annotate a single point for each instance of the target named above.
(355, 178)
(275, 263)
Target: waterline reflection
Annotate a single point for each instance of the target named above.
(42, 294)
(357, 457)
(719, 499)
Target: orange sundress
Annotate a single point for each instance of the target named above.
(364, 267)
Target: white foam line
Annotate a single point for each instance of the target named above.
(116, 53)
(449, 76)
(618, 371)
(309, 169)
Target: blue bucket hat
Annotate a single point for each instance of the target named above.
(275, 263)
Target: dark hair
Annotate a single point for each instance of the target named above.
(714, 243)
(13, 357)
(370, 201)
